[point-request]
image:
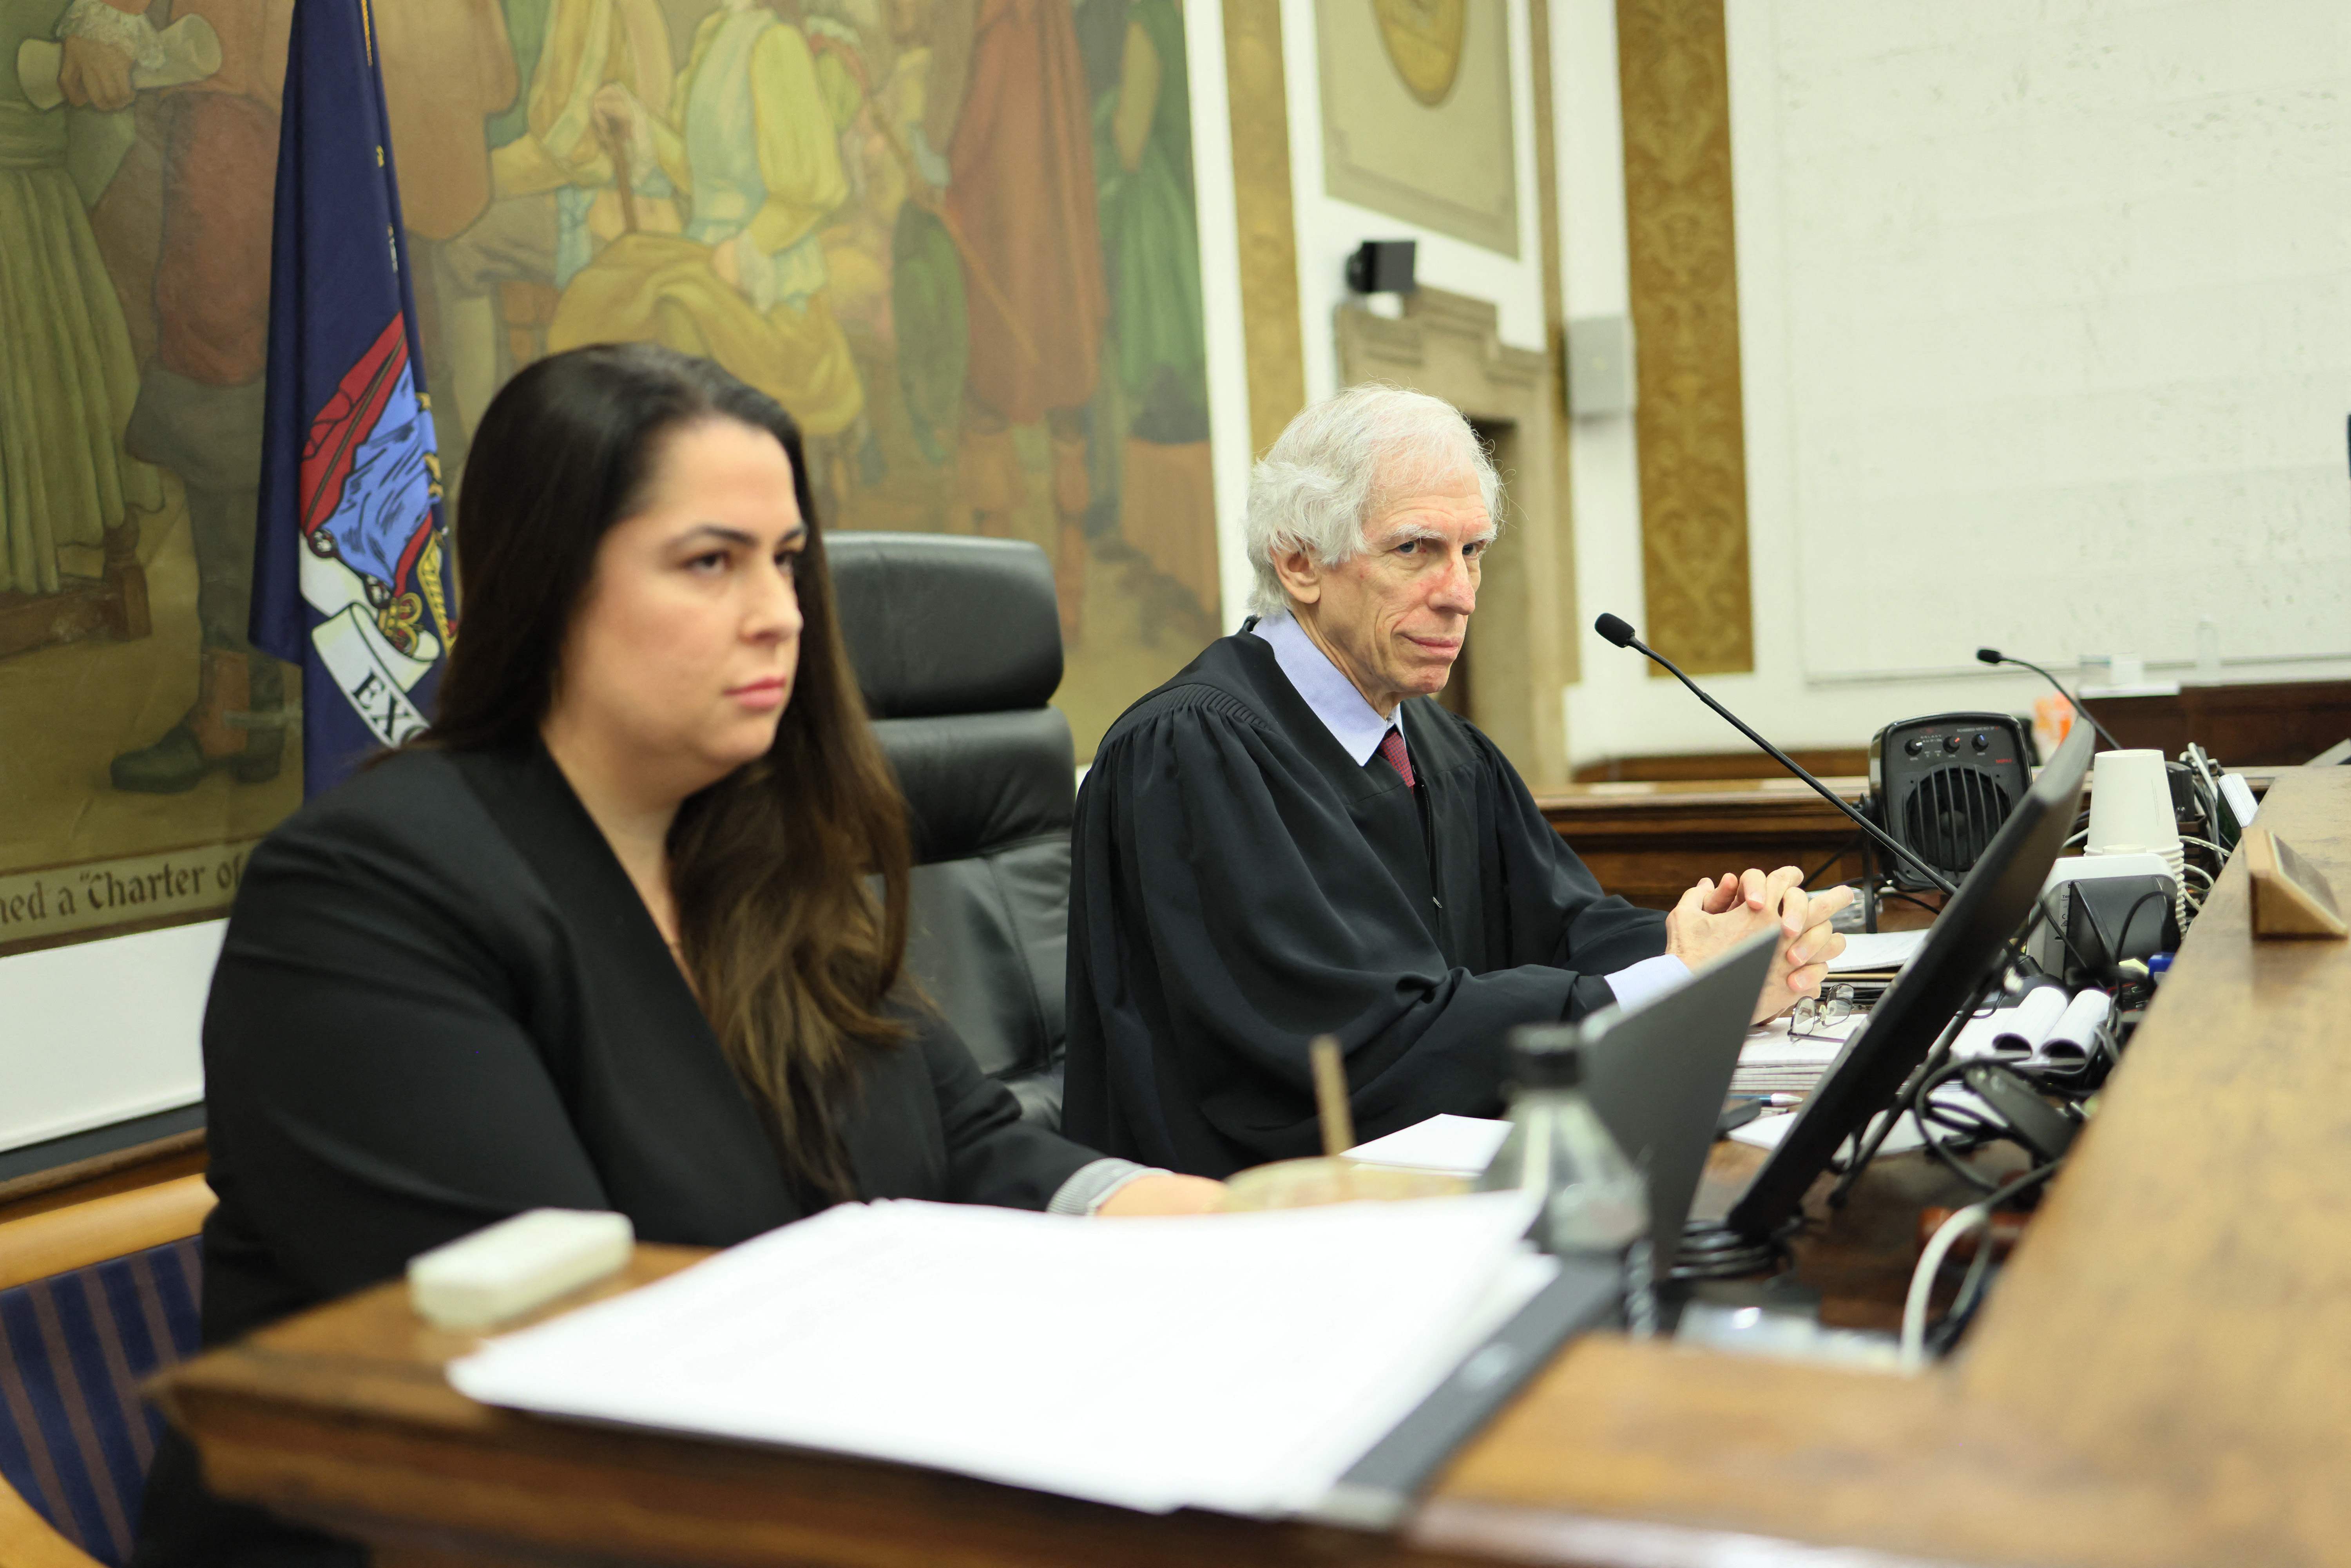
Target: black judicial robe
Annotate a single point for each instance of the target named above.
(1238, 884)
(440, 1002)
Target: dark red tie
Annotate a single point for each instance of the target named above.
(1391, 748)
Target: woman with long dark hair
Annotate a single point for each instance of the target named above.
(606, 938)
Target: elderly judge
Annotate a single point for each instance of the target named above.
(1291, 837)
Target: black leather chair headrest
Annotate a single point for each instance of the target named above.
(978, 782)
(943, 624)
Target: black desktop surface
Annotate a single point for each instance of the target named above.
(1961, 949)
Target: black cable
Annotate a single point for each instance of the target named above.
(2041, 915)
(1847, 848)
(1995, 656)
(1944, 1333)
(2131, 914)
(1869, 1141)
(1975, 1132)
(1711, 1251)
(2207, 801)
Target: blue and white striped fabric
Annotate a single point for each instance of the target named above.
(76, 1439)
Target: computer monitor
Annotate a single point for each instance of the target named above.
(1959, 952)
(1657, 1074)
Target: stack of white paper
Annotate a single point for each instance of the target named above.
(1458, 1145)
(1766, 1132)
(1775, 1059)
(1240, 1363)
(1876, 952)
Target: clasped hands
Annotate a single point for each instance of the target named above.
(1715, 916)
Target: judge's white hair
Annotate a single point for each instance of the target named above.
(1339, 463)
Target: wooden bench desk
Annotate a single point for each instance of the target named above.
(1650, 841)
(2162, 1376)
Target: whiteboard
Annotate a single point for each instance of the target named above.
(2069, 328)
(99, 1032)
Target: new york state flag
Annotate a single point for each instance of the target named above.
(353, 576)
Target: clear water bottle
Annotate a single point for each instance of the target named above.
(1595, 1203)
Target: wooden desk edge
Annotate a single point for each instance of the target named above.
(407, 1447)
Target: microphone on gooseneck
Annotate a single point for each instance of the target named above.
(1620, 633)
(1995, 656)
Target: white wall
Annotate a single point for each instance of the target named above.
(102, 1031)
(2022, 295)
(1329, 229)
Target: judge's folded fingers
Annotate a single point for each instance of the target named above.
(1827, 903)
(1818, 945)
(1694, 930)
(1683, 919)
(1723, 896)
(1795, 911)
(1781, 992)
(1756, 887)
(1806, 980)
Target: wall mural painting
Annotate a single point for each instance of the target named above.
(956, 238)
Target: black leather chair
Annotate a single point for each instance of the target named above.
(956, 643)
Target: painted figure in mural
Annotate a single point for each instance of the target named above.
(930, 336)
(1008, 117)
(1151, 241)
(554, 202)
(199, 410)
(1152, 233)
(67, 374)
(856, 58)
(752, 142)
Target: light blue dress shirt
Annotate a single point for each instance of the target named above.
(1358, 727)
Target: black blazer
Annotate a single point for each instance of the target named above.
(440, 1002)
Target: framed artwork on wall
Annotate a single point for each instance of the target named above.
(956, 238)
(1416, 114)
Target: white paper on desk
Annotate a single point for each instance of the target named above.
(1778, 1044)
(1766, 1132)
(1459, 1146)
(1877, 950)
(1238, 1361)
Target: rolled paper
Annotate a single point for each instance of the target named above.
(2030, 1021)
(2074, 1040)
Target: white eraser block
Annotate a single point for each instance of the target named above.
(518, 1264)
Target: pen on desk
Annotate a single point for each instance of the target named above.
(1773, 1101)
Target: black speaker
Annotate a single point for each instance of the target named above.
(1383, 267)
(1944, 785)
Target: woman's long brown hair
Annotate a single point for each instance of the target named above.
(793, 957)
